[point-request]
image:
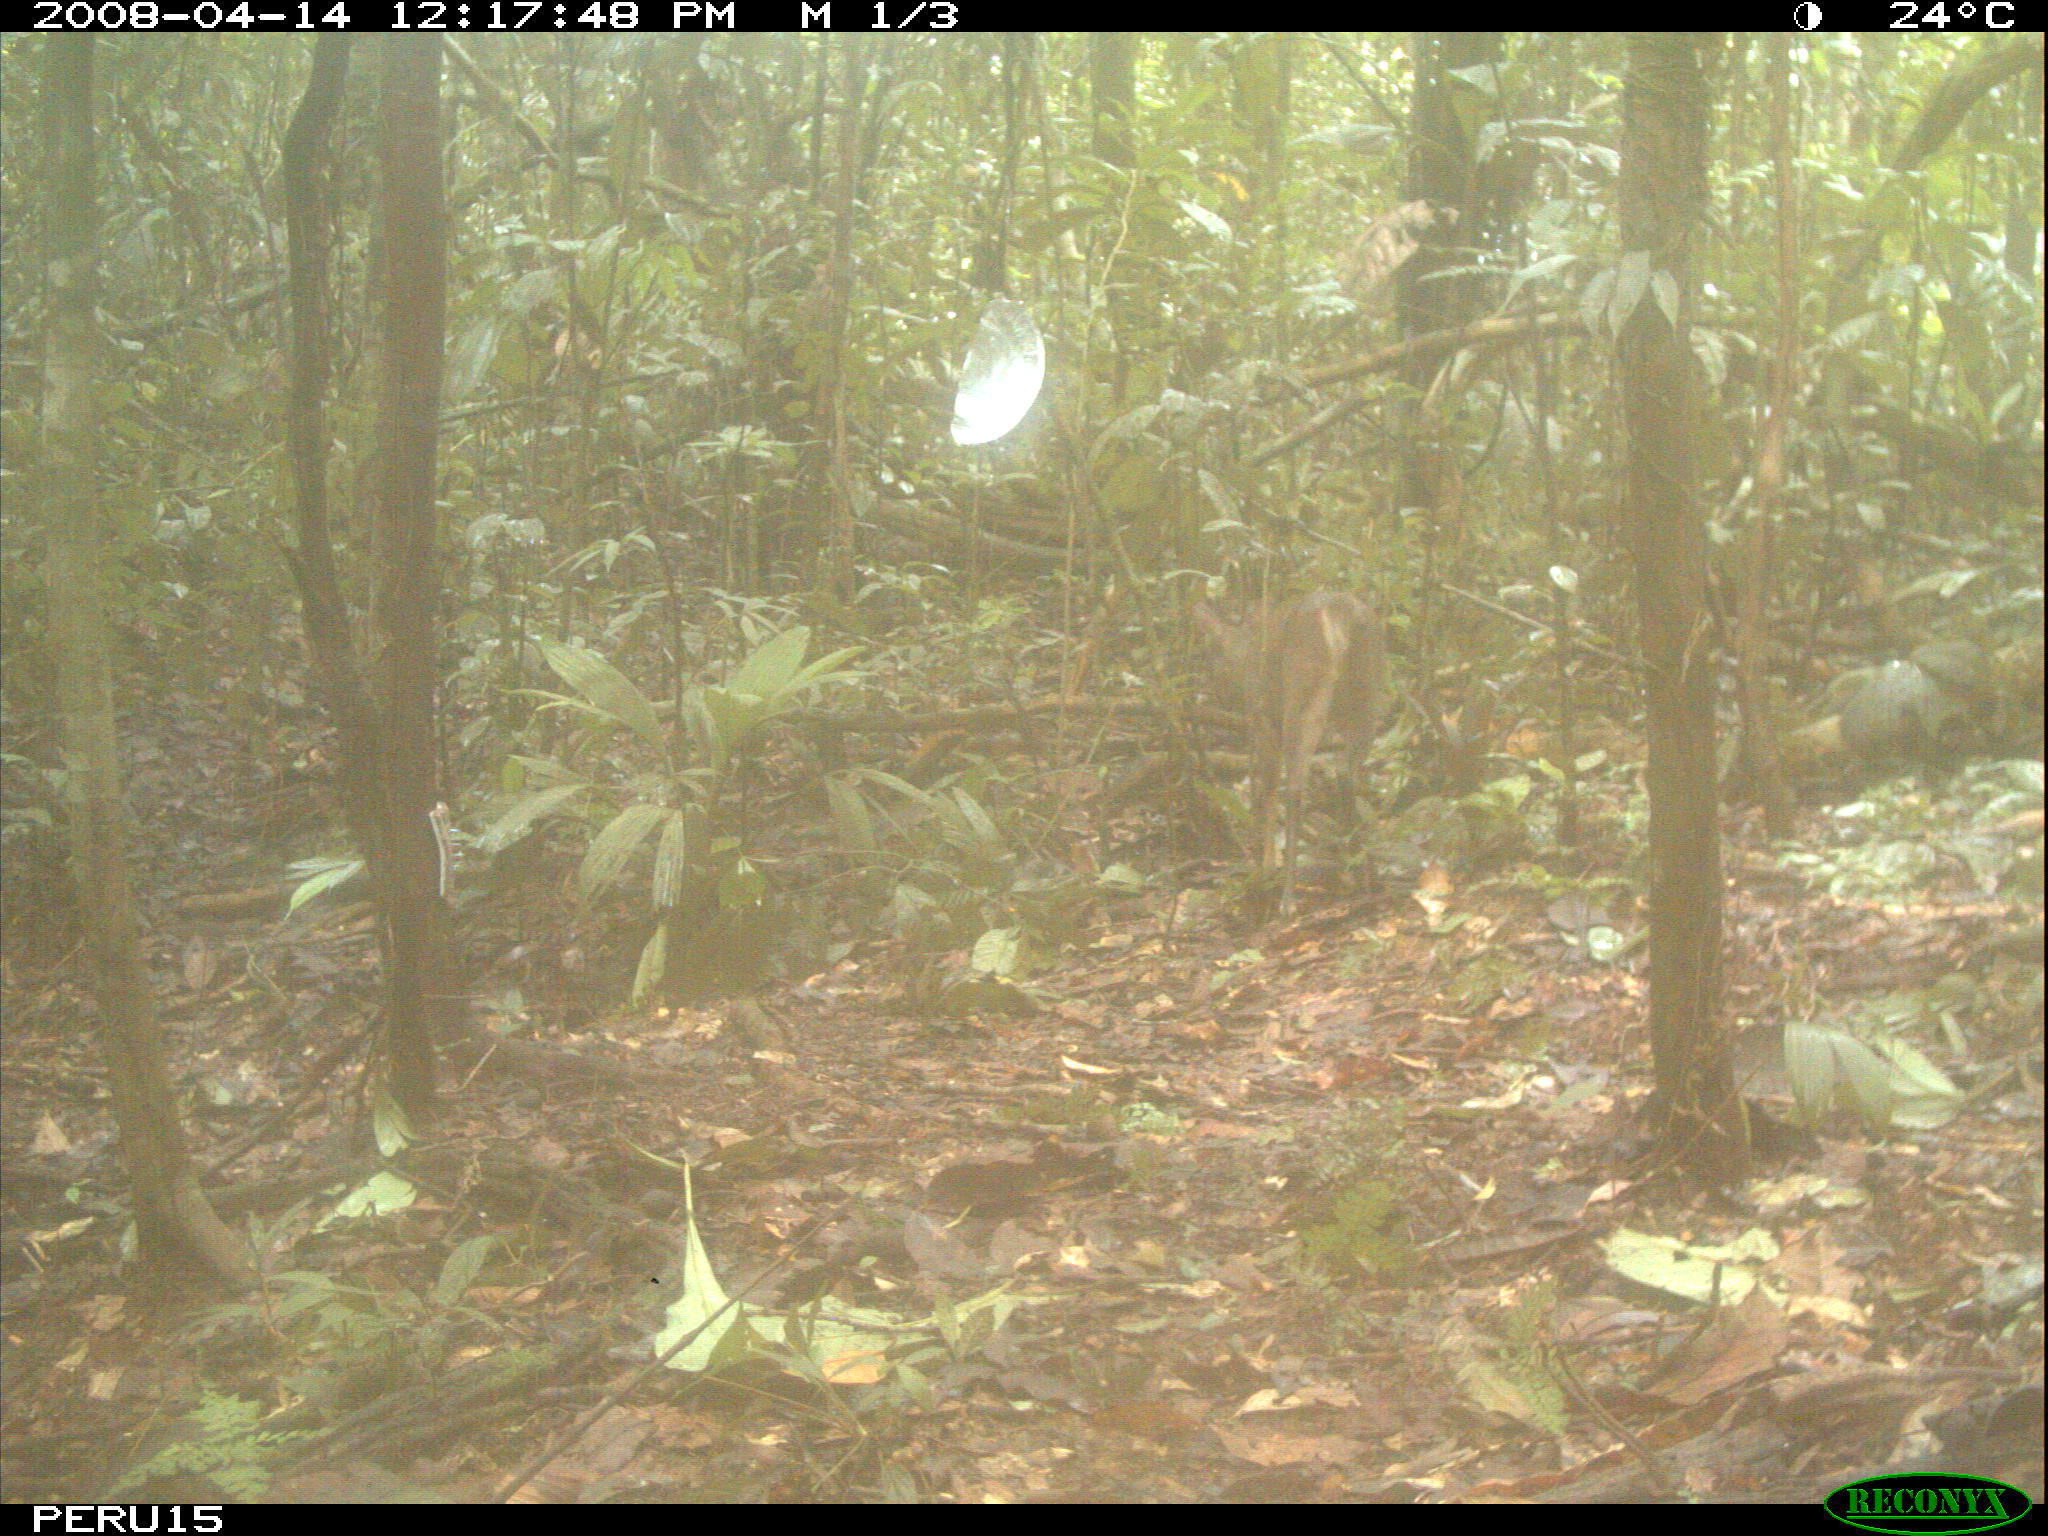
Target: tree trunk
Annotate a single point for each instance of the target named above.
(1663, 193)
(1763, 773)
(171, 1215)
(418, 988)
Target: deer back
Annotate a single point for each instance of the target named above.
(1319, 660)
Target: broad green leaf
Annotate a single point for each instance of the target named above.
(378, 1195)
(848, 1345)
(821, 671)
(539, 771)
(508, 828)
(983, 826)
(605, 860)
(340, 872)
(653, 965)
(731, 716)
(608, 689)
(1122, 878)
(1921, 1096)
(460, 1269)
(850, 815)
(903, 787)
(672, 857)
(1632, 279)
(390, 1124)
(1697, 1272)
(1595, 299)
(769, 668)
(996, 952)
(698, 1304)
(1828, 1068)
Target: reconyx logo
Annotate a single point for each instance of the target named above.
(1922, 1502)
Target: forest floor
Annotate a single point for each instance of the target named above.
(1355, 1207)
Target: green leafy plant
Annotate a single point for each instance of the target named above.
(829, 1342)
(220, 1441)
(956, 882)
(702, 884)
(1496, 816)
(1886, 1082)
(1352, 1215)
(1514, 1374)
(1359, 1231)
(317, 876)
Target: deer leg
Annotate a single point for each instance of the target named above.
(1361, 814)
(1265, 753)
(1308, 717)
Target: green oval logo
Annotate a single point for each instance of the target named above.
(1947, 1503)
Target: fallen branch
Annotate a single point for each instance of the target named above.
(982, 717)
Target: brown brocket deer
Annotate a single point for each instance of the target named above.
(1300, 671)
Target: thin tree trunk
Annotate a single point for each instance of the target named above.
(1663, 193)
(1762, 770)
(418, 990)
(172, 1217)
